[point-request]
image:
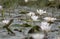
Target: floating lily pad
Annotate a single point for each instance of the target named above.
(34, 29)
(18, 30)
(26, 25)
(58, 26)
(16, 25)
(23, 12)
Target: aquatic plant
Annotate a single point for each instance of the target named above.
(35, 29)
(2, 11)
(7, 24)
(25, 25)
(34, 18)
(45, 26)
(26, 0)
(40, 11)
(38, 35)
(23, 12)
(30, 13)
(50, 19)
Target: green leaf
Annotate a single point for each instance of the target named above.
(23, 12)
(35, 29)
(25, 25)
(16, 25)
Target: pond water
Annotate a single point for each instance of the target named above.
(21, 35)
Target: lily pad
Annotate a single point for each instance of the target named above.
(16, 25)
(23, 12)
(34, 29)
(26, 25)
(58, 26)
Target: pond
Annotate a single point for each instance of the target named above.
(20, 17)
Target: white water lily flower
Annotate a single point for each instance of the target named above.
(40, 11)
(38, 35)
(0, 7)
(45, 26)
(31, 13)
(26, 0)
(5, 21)
(34, 18)
(50, 19)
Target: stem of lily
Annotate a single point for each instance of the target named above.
(46, 34)
(9, 12)
(26, 18)
(2, 13)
